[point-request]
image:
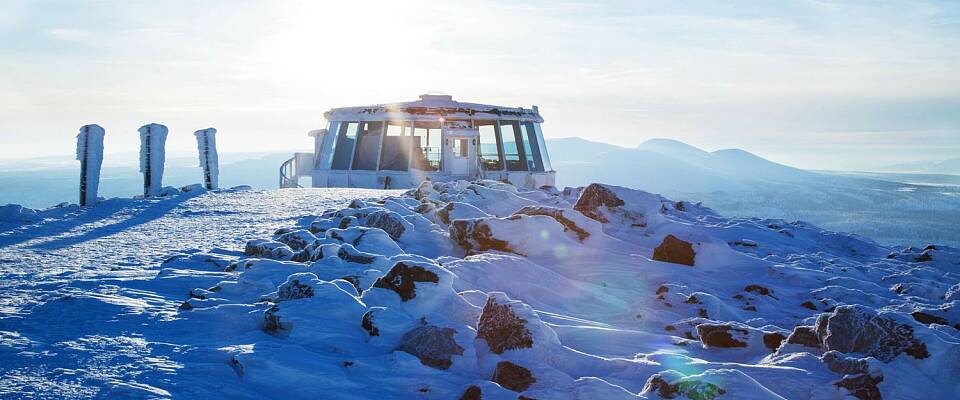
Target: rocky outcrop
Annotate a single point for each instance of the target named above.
(691, 389)
(297, 240)
(594, 199)
(501, 328)
(457, 210)
(773, 340)
(366, 322)
(863, 386)
(472, 393)
(267, 249)
(722, 336)
(475, 235)
(433, 345)
(513, 376)
(673, 250)
(804, 336)
(403, 279)
(292, 289)
(758, 289)
(857, 329)
(928, 319)
(559, 215)
(390, 222)
(354, 256)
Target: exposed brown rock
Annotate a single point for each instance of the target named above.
(804, 336)
(472, 393)
(403, 278)
(924, 257)
(809, 304)
(354, 257)
(513, 376)
(502, 329)
(367, 323)
(556, 214)
(390, 222)
(720, 336)
(760, 290)
(475, 235)
(433, 345)
(773, 340)
(925, 318)
(863, 386)
(593, 198)
(673, 250)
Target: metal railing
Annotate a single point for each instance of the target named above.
(288, 174)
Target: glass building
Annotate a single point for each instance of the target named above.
(401, 144)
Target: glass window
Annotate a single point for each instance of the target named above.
(324, 157)
(343, 146)
(368, 146)
(395, 155)
(490, 156)
(531, 147)
(512, 145)
(460, 148)
(544, 155)
(426, 147)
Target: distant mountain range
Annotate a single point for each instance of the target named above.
(950, 166)
(889, 207)
(665, 165)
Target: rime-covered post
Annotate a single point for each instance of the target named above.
(207, 146)
(153, 139)
(90, 155)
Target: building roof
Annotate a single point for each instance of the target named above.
(432, 107)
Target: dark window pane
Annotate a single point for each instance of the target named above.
(489, 149)
(512, 146)
(343, 147)
(368, 146)
(396, 148)
(531, 148)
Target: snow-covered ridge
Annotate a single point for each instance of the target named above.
(463, 290)
(478, 290)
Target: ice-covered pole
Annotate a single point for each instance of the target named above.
(90, 155)
(207, 146)
(153, 139)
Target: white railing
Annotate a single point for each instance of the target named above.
(300, 165)
(288, 174)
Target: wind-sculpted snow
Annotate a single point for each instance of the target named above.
(477, 290)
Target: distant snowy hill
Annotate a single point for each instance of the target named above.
(43, 182)
(465, 290)
(950, 166)
(892, 208)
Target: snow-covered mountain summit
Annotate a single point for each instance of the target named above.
(478, 290)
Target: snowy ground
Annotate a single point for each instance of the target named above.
(75, 291)
(463, 290)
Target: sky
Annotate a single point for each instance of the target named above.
(813, 84)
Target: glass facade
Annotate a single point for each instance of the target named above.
(504, 145)
(395, 155)
(343, 147)
(426, 147)
(491, 157)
